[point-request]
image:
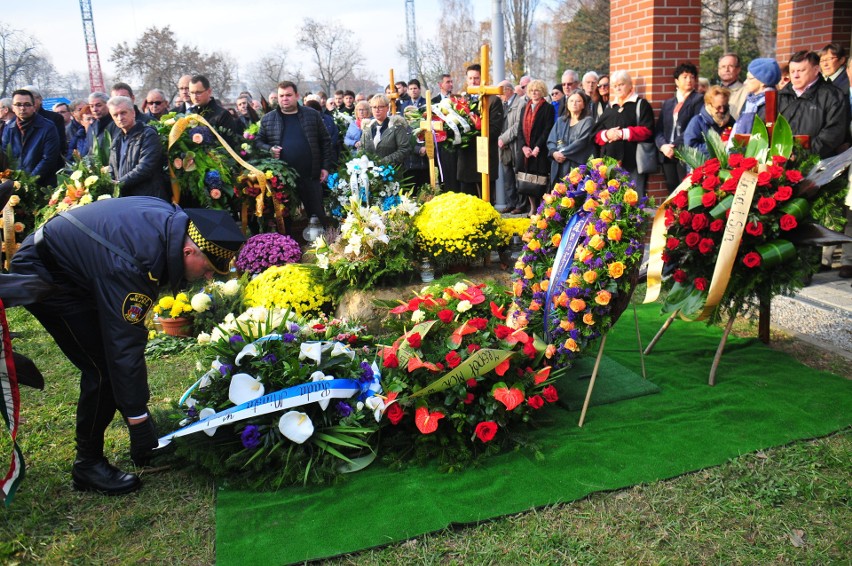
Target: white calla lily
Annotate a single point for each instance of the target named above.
(377, 405)
(244, 388)
(341, 349)
(311, 350)
(320, 376)
(296, 426)
(207, 412)
(248, 350)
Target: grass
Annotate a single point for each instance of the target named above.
(785, 505)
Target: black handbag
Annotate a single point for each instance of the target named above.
(647, 154)
(530, 184)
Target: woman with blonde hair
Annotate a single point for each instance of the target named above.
(353, 132)
(534, 125)
(715, 115)
(386, 137)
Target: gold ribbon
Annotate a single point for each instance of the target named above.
(658, 244)
(480, 363)
(191, 121)
(731, 238)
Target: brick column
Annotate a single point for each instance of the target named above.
(648, 39)
(811, 24)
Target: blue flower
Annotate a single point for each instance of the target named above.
(366, 372)
(250, 437)
(225, 369)
(236, 338)
(288, 337)
(269, 358)
(344, 409)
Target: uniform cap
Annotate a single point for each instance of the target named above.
(216, 234)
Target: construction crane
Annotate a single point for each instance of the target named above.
(96, 78)
(411, 38)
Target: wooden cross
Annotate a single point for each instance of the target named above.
(428, 137)
(393, 94)
(484, 90)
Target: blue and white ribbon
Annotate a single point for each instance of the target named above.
(562, 262)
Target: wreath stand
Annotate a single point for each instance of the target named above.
(598, 363)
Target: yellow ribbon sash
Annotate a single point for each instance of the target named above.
(480, 363)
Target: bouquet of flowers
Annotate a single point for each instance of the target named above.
(265, 250)
(576, 272)
(457, 379)
(199, 164)
(372, 183)
(372, 244)
(280, 197)
(173, 306)
(461, 123)
(25, 202)
(286, 404)
(455, 228)
(86, 183)
(247, 148)
(294, 285)
(213, 302)
(702, 214)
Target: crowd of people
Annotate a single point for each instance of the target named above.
(537, 134)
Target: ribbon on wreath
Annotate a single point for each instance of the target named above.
(190, 121)
(731, 237)
(574, 229)
(10, 407)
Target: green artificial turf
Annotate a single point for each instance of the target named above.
(763, 398)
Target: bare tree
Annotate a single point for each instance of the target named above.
(265, 73)
(18, 53)
(518, 17)
(156, 60)
(335, 53)
(721, 21)
(584, 44)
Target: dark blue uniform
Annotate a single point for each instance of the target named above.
(93, 301)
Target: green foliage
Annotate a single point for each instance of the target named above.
(584, 44)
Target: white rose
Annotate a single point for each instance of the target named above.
(14, 200)
(90, 180)
(104, 197)
(200, 302)
(464, 306)
(231, 288)
(86, 199)
(77, 175)
(204, 338)
(460, 287)
(418, 316)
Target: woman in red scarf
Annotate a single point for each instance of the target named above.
(534, 126)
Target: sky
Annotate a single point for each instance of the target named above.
(245, 29)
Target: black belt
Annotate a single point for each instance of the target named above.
(43, 252)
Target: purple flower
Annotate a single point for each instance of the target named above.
(288, 337)
(344, 409)
(236, 338)
(250, 437)
(192, 412)
(265, 250)
(366, 372)
(269, 358)
(225, 369)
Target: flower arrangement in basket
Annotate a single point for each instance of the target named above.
(197, 161)
(763, 191)
(86, 183)
(372, 245)
(455, 228)
(282, 405)
(461, 122)
(262, 251)
(278, 199)
(457, 379)
(577, 270)
(373, 183)
(294, 285)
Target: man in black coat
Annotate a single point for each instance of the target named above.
(205, 105)
(56, 119)
(90, 276)
(296, 135)
(814, 107)
(103, 124)
(669, 133)
(136, 159)
(469, 178)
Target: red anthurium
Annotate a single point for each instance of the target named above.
(479, 323)
(502, 331)
(511, 398)
(463, 330)
(541, 375)
(517, 336)
(400, 309)
(498, 312)
(416, 363)
(502, 368)
(427, 422)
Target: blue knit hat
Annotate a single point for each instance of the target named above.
(765, 70)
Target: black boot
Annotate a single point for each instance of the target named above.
(92, 472)
(143, 440)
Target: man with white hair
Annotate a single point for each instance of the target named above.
(95, 133)
(136, 154)
(590, 84)
(6, 114)
(156, 103)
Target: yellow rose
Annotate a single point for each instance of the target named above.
(574, 280)
(616, 269)
(614, 233)
(549, 212)
(574, 176)
(544, 284)
(571, 344)
(560, 188)
(548, 198)
(631, 197)
(567, 202)
(590, 186)
(590, 276)
(597, 242)
(534, 245)
(528, 272)
(590, 205)
(556, 239)
(603, 196)
(590, 229)
(607, 215)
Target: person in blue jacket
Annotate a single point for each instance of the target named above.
(715, 115)
(33, 139)
(90, 275)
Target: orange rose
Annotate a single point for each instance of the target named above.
(541, 224)
(590, 205)
(536, 288)
(607, 216)
(562, 300)
(556, 239)
(571, 344)
(585, 254)
(535, 305)
(603, 196)
(560, 188)
(544, 285)
(577, 305)
(631, 197)
(589, 319)
(590, 276)
(549, 212)
(614, 233)
(548, 198)
(566, 325)
(616, 269)
(603, 298)
(528, 272)
(549, 351)
(517, 288)
(597, 242)
(574, 176)
(534, 245)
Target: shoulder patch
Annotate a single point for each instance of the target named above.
(136, 307)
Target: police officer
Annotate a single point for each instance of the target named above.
(90, 276)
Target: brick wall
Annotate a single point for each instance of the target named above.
(649, 38)
(811, 24)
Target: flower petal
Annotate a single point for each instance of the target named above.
(244, 388)
(296, 426)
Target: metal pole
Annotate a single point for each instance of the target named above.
(498, 49)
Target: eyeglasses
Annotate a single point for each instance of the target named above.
(568, 84)
(603, 85)
(555, 93)
(378, 107)
(23, 105)
(155, 102)
(826, 58)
